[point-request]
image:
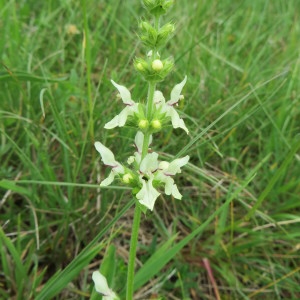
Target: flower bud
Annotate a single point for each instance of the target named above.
(130, 160)
(140, 67)
(157, 65)
(154, 71)
(156, 124)
(143, 124)
(127, 178)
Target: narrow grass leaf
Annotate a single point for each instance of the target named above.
(54, 286)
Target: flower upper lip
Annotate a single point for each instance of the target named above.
(131, 107)
(168, 107)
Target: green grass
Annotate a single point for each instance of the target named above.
(241, 204)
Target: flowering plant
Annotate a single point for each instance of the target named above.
(148, 176)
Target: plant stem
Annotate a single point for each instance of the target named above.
(132, 253)
(137, 210)
(145, 144)
(151, 90)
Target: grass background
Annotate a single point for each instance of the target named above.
(235, 234)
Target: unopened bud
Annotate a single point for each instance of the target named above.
(127, 177)
(140, 64)
(143, 124)
(140, 67)
(130, 160)
(157, 65)
(156, 124)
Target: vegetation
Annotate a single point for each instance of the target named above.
(234, 235)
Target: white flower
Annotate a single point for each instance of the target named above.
(168, 108)
(150, 170)
(175, 165)
(129, 110)
(148, 194)
(102, 288)
(108, 159)
(149, 164)
(166, 170)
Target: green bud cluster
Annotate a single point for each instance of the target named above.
(157, 7)
(153, 38)
(153, 70)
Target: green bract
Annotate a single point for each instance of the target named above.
(155, 38)
(157, 7)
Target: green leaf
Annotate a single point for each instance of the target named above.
(23, 76)
(12, 186)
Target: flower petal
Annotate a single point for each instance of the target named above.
(159, 98)
(107, 156)
(168, 184)
(148, 194)
(101, 285)
(176, 120)
(120, 119)
(175, 192)
(138, 141)
(124, 92)
(176, 164)
(109, 179)
(137, 157)
(150, 163)
(176, 92)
